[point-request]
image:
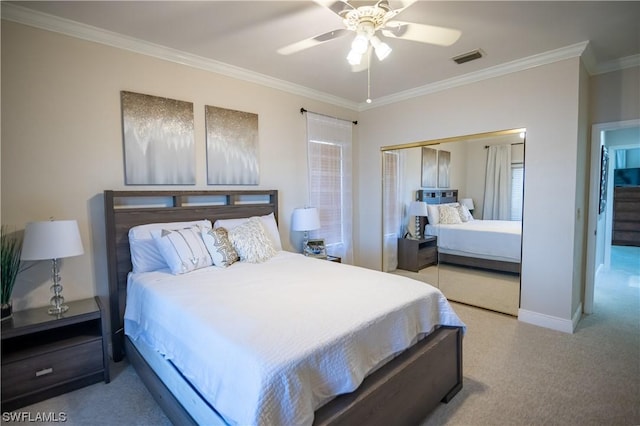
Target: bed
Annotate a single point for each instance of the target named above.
(486, 244)
(404, 382)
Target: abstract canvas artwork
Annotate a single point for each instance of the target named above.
(232, 147)
(159, 145)
(444, 161)
(429, 167)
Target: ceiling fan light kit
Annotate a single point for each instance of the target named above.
(365, 22)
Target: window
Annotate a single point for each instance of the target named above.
(517, 183)
(329, 157)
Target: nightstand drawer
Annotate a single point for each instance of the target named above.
(427, 256)
(35, 373)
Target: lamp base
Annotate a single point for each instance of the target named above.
(418, 233)
(57, 310)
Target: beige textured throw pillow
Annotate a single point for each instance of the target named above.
(449, 215)
(251, 241)
(219, 247)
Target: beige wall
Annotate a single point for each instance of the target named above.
(62, 141)
(62, 146)
(582, 187)
(545, 100)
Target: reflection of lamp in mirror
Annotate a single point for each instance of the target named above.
(417, 209)
(306, 219)
(468, 203)
(53, 240)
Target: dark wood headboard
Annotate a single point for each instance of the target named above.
(125, 209)
(437, 196)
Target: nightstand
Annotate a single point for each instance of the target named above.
(334, 259)
(414, 255)
(45, 355)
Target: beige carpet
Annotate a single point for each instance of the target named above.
(519, 374)
(514, 373)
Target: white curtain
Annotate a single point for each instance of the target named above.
(392, 206)
(330, 181)
(497, 184)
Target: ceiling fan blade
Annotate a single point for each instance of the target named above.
(422, 33)
(339, 7)
(311, 42)
(400, 5)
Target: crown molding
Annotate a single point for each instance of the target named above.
(533, 61)
(617, 64)
(22, 15)
(82, 31)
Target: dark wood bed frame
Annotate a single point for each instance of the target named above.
(442, 196)
(403, 391)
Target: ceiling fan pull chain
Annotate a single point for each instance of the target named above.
(369, 78)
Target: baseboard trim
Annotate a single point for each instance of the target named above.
(577, 316)
(548, 321)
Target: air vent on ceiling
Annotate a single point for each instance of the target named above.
(469, 56)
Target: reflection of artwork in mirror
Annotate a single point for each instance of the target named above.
(444, 160)
(429, 167)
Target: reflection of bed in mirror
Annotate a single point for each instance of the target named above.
(485, 244)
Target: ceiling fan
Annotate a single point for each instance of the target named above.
(370, 21)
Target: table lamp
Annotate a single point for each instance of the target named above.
(305, 219)
(417, 209)
(53, 239)
(468, 203)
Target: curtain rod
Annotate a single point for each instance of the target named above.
(302, 111)
(517, 143)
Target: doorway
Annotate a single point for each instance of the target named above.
(613, 136)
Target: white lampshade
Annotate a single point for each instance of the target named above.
(305, 219)
(418, 208)
(52, 239)
(468, 203)
(382, 49)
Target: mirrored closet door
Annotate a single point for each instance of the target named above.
(452, 216)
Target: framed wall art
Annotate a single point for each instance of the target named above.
(444, 161)
(429, 167)
(232, 147)
(158, 136)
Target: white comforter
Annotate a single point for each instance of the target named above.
(487, 239)
(267, 344)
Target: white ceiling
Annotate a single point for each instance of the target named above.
(247, 34)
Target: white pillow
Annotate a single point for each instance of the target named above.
(219, 247)
(433, 214)
(268, 222)
(182, 249)
(465, 214)
(449, 215)
(145, 256)
(251, 242)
